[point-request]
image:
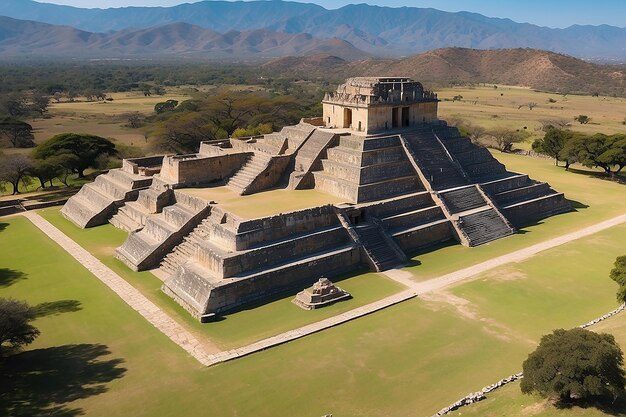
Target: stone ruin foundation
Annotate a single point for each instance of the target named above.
(323, 293)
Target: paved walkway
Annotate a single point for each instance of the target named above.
(311, 328)
(517, 256)
(125, 291)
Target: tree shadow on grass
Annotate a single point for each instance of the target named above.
(607, 406)
(618, 178)
(57, 307)
(8, 277)
(45, 381)
(3, 226)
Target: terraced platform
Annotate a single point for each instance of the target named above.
(247, 218)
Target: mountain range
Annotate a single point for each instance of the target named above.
(20, 38)
(537, 69)
(377, 31)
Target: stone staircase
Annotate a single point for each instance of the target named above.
(378, 246)
(474, 217)
(433, 160)
(484, 226)
(186, 250)
(145, 248)
(308, 158)
(523, 200)
(462, 199)
(96, 202)
(250, 170)
(476, 161)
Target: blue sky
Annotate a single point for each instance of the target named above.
(552, 13)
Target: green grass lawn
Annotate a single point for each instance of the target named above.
(509, 401)
(239, 328)
(529, 297)
(595, 200)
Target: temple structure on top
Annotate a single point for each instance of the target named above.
(376, 179)
(373, 104)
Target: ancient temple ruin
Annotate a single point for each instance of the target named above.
(323, 293)
(382, 176)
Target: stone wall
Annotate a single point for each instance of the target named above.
(200, 294)
(139, 165)
(232, 264)
(526, 212)
(271, 228)
(197, 169)
(429, 235)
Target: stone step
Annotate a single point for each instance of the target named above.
(122, 221)
(483, 227)
(463, 199)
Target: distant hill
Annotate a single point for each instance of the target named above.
(25, 38)
(533, 68)
(381, 31)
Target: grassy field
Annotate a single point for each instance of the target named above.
(236, 329)
(594, 199)
(509, 401)
(103, 118)
(491, 108)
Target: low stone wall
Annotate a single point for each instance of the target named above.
(196, 169)
(506, 184)
(523, 213)
(264, 257)
(6, 210)
(276, 227)
(388, 189)
(424, 237)
(135, 165)
(235, 292)
(523, 193)
(401, 204)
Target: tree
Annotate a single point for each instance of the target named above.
(45, 170)
(15, 330)
(582, 119)
(134, 120)
(165, 106)
(575, 364)
(78, 151)
(505, 138)
(14, 169)
(17, 132)
(598, 151)
(40, 102)
(183, 132)
(552, 143)
(618, 274)
(13, 104)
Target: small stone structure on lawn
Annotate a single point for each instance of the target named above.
(324, 292)
(389, 179)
